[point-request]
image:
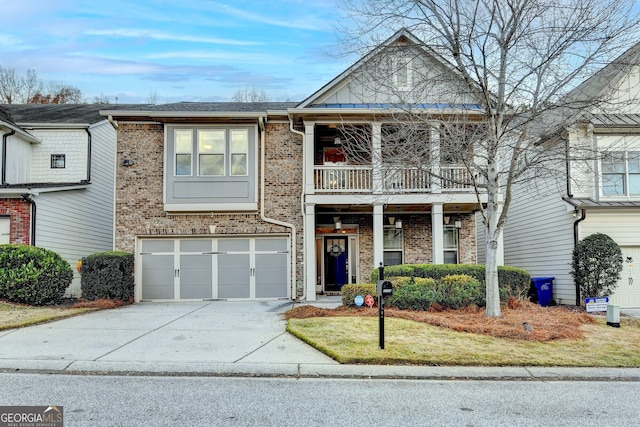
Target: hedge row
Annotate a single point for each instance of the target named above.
(512, 281)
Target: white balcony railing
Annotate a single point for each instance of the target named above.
(456, 178)
(349, 179)
(359, 179)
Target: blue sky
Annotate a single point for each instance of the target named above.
(191, 50)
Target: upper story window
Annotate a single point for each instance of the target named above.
(621, 173)
(402, 73)
(58, 161)
(211, 167)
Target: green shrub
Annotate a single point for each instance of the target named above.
(32, 275)
(414, 294)
(597, 263)
(460, 290)
(512, 281)
(350, 291)
(108, 275)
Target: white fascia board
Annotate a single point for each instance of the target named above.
(16, 191)
(18, 131)
(379, 111)
(54, 125)
(185, 114)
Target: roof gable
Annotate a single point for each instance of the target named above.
(402, 70)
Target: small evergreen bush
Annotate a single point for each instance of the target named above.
(33, 275)
(108, 275)
(597, 263)
(414, 294)
(350, 291)
(460, 290)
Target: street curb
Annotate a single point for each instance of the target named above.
(329, 371)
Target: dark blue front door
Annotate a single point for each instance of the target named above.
(335, 263)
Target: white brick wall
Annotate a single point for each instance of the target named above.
(72, 143)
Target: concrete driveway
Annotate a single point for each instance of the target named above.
(183, 336)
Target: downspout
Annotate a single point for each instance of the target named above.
(261, 124)
(302, 208)
(88, 154)
(4, 155)
(575, 243)
(27, 198)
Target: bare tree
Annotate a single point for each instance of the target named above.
(250, 95)
(101, 99)
(29, 89)
(509, 70)
(152, 97)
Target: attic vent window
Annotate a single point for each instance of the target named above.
(402, 74)
(57, 161)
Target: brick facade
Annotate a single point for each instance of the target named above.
(139, 192)
(19, 212)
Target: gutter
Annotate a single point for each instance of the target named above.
(302, 207)
(575, 243)
(4, 155)
(27, 198)
(89, 137)
(294, 242)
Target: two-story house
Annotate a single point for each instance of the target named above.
(596, 191)
(263, 200)
(57, 171)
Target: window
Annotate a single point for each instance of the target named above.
(211, 152)
(57, 161)
(211, 167)
(621, 173)
(450, 245)
(402, 74)
(183, 150)
(239, 152)
(392, 245)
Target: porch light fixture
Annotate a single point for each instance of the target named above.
(337, 224)
(337, 141)
(399, 223)
(457, 223)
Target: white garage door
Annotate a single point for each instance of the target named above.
(627, 294)
(223, 268)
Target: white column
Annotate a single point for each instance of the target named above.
(310, 251)
(378, 234)
(376, 157)
(309, 149)
(437, 233)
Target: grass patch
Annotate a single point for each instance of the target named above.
(17, 315)
(354, 339)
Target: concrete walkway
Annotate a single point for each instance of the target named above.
(216, 338)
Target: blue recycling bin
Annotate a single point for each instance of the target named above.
(544, 289)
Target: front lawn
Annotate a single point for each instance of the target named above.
(554, 336)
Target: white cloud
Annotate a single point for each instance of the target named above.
(157, 35)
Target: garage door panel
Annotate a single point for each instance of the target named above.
(271, 276)
(157, 245)
(627, 294)
(195, 276)
(269, 245)
(234, 276)
(158, 277)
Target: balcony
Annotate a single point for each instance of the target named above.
(360, 179)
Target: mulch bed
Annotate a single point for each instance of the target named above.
(520, 320)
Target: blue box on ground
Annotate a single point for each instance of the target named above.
(544, 289)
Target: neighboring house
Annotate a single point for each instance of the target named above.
(259, 200)
(57, 187)
(598, 194)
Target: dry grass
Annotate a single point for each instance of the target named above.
(544, 323)
(14, 315)
(559, 336)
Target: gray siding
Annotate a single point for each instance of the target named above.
(77, 223)
(538, 237)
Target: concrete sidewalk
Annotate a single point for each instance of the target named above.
(217, 338)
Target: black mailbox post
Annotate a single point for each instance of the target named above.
(384, 288)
